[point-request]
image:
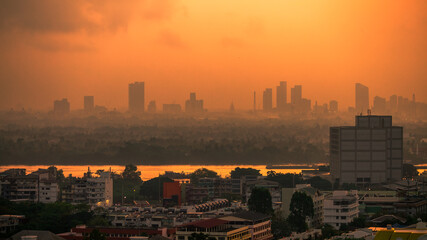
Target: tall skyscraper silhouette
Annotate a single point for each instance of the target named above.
(89, 103)
(362, 99)
(281, 98)
(296, 95)
(267, 99)
(254, 101)
(137, 97)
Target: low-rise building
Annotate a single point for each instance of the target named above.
(259, 224)
(340, 208)
(90, 190)
(218, 229)
(8, 223)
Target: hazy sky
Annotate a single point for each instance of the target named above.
(221, 49)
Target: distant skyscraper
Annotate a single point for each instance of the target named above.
(193, 105)
(333, 106)
(267, 99)
(137, 97)
(151, 108)
(393, 103)
(61, 106)
(362, 99)
(296, 95)
(370, 152)
(379, 106)
(89, 103)
(281, 99)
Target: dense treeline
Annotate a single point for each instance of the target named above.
(205, 143)
(182, 141)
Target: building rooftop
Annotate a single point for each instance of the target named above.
(208, 223)
(45, 235)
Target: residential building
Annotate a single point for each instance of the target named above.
(172, 193)
(412, 206)
(9, 223)
(151, 108)
(94, 191)
(137, 97)
(259, 224)
(341, 207)
(333, 106)
(368, 153)
(215, 228)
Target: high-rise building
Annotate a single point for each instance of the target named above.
(281, 98)
(393, 103)
(267, 99)
(137, 97)
(151, 108)
(254, 101)
(362, 98)
(61, 106)
(296, 95)
(193, 105)
(370, 152)
(89, 103)
(333, 106)
(379, 106)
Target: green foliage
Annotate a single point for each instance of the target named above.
(328, 231)
(131, 173)
(153, 188)
(126, 188)
(240, 172)
(409, 171)
(99, 221)
(96, 235)
(287, 180)
(300, 208)
(358, 222)
(320, 183)
(202, 173)
(55, 217)
(280, 227)
(260, 201)
(200, 236)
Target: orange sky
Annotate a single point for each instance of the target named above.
(221, 49)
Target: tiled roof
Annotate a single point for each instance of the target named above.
(208, 223)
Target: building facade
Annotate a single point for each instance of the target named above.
(340, 208)
(370, 152)
(362, 98)
(137, 97)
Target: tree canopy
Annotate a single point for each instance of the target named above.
(300, 208)
(153, 188)
(202, 173)
(241, 172)
(131, 173)
(260, 201)
(409, 171)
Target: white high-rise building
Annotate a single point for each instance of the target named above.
(340, 208)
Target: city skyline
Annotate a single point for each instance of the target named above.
(210, 48)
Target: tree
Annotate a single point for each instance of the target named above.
(320, 183)
(409, 171)
(241, 172)
(200, 236)
(202, 173)
(131, 173)
(280, 227)
(328, 231)
(96, 235)
(300, 208)
(260, 201)
(287, 180)
(358, 222)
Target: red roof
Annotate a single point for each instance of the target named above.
(208, 223)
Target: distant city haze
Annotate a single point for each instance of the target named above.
(222, 50)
